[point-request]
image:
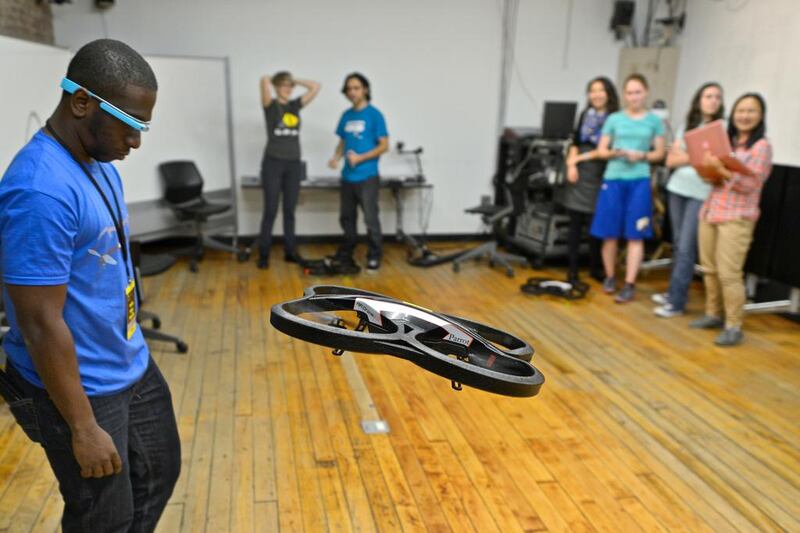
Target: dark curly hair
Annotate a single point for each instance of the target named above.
(107, 67)
(695, 116)
(364, 81)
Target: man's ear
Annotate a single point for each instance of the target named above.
(79, 103)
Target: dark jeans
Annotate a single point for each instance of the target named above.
(279, 176)
(577, 223)
(142, 424)
(365, 194)
(683, 213)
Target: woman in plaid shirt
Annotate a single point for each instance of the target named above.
(728, 218)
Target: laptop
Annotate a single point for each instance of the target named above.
(558, 120)
(712, 138)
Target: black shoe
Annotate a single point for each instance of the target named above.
(263, 262)
(343, 259)
(293, 257)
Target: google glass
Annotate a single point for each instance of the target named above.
(140, 125)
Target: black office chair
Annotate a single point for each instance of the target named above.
(495, 217)
(150, 265)
(183, 191)
(492, 216)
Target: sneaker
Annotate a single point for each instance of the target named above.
(263, 262)
(667, 311)
(661, 298)
(729, 337)
(610, 285)
(626, 294)
(373, 265)
(707, 322)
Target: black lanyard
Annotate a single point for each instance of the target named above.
(116, 219)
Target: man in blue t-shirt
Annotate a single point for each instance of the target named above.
(79, 377)
(362, 139)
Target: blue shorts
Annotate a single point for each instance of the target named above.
(624, 209)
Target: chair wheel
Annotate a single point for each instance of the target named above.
(492, 263)
(182, 347)
(510, 272)
(193, 266)
(456, 267)
(243, 256)
(156, 323)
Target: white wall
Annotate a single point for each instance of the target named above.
(37, 70)
(754, 48)
(434, 68)
(558, 50)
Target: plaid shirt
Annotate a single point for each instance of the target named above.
(738, 197)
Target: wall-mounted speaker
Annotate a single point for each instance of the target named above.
(622, 17)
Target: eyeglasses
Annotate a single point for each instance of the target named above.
(140, 125)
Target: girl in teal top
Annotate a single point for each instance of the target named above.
(630, 141)
(687, 191)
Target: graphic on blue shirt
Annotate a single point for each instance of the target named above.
(361, 130)
(56, 230)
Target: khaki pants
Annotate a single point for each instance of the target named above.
(723, 249)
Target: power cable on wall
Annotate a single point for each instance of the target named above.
(567, 37)
(510, 9)
(523, 86)
(730, 5)
(105, 24)
(509, 50)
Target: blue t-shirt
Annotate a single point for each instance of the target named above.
(630, 134)
(56, 230)
(361, 131)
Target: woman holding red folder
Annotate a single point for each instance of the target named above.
(728, 218)
(687, 191)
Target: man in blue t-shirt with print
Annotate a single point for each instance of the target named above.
(79, 378)
(362, 139)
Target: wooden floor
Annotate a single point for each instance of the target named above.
(642, 423)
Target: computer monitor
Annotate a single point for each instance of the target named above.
(558, 120)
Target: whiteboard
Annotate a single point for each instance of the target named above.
(189, 122)
(29, 93)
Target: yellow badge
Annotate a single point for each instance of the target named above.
(290, 120)
(130, 309)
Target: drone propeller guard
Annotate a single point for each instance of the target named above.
(464, 351)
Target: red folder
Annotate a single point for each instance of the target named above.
(712, 138)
